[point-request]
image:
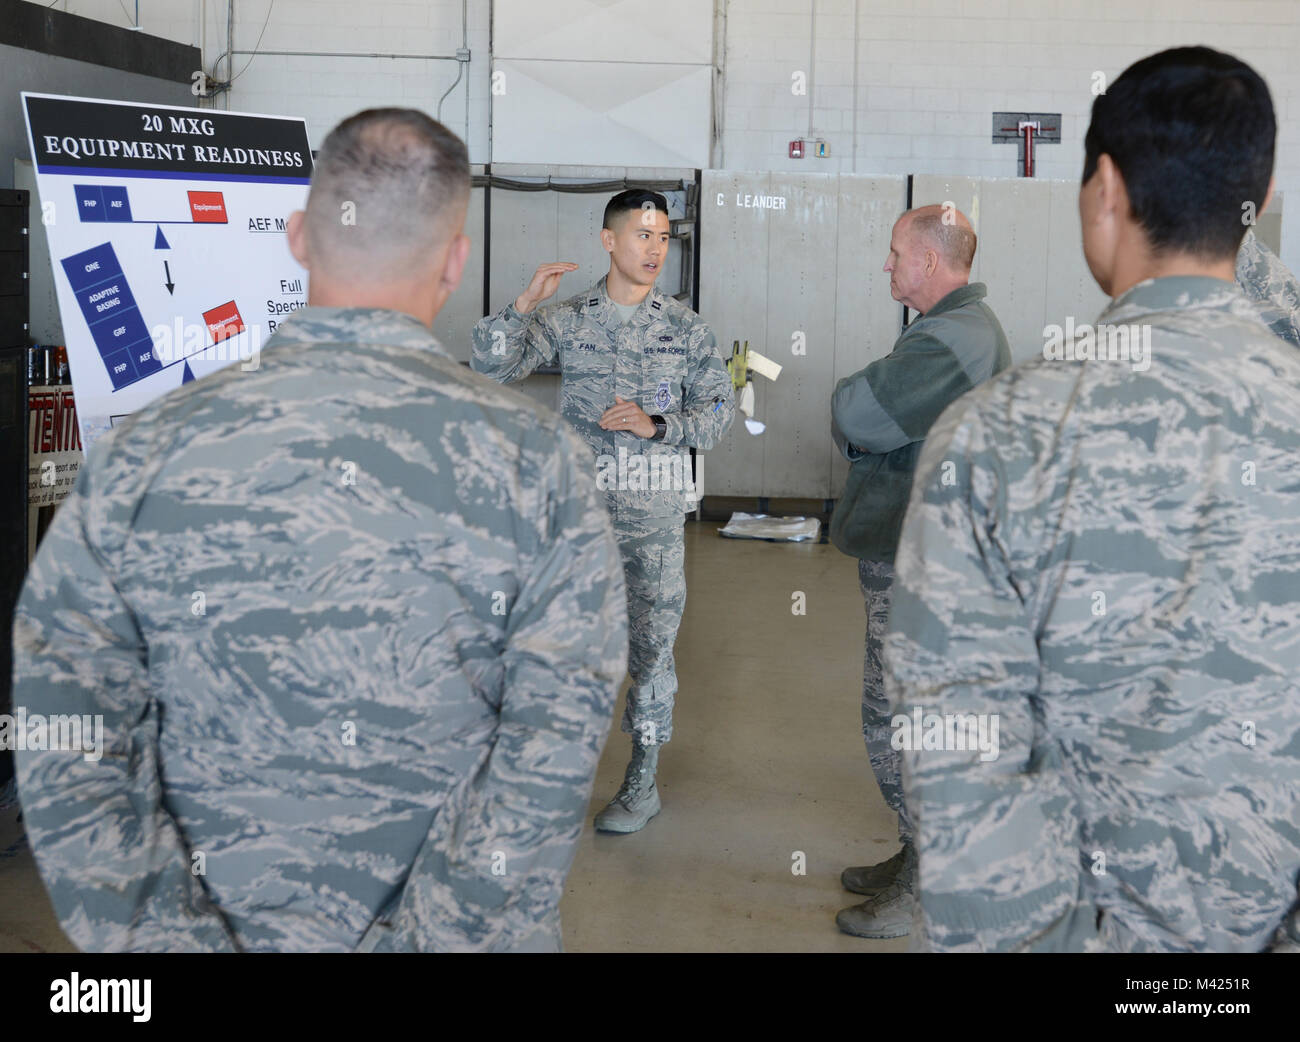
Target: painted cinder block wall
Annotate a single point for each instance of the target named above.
(930, 74)
(926, 74)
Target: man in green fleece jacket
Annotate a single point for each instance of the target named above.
(879, 421)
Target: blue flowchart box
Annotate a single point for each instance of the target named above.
(117, 207)
(109, 306)
(91, 266)
(90, 202)
(143, 358)
(106, 301)
(103, 203)
(119, 328)
(120, 369)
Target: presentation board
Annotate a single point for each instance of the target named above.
(166, 228)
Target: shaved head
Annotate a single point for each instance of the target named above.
(389, 190)
(930, 253)
(946, 230)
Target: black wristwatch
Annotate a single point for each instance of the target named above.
(661, 428)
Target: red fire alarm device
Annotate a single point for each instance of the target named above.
(796, 149)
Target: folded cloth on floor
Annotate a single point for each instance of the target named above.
(772, 529)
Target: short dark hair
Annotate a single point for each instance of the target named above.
(402, 177)
(633, 199)
(1192, 132)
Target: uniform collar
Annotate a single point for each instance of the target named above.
(358, 325)
(1177, 293)
(960, 297)
(598, 305)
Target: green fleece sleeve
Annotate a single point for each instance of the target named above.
(894, 400)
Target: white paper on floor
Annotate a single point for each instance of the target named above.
(772, 529)
(755, 427)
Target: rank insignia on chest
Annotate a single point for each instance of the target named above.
(663, 396)
(593, 302)
(655, 305)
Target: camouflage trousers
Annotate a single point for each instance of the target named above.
(654, 568)
(877, 580)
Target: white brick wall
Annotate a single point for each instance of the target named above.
(930, 72)
(324, 90)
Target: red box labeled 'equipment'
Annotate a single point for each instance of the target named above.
(224, 321)
(207, 207)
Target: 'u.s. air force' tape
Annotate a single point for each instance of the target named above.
(763, 366)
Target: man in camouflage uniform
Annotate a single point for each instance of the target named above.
(353, 620)
(1095, 635)
(1269, 283)
(642, 383)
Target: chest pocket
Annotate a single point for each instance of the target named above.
(663, 372)
(588, 354)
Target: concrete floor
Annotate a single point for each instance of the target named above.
(27, 922)
(767, 760)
